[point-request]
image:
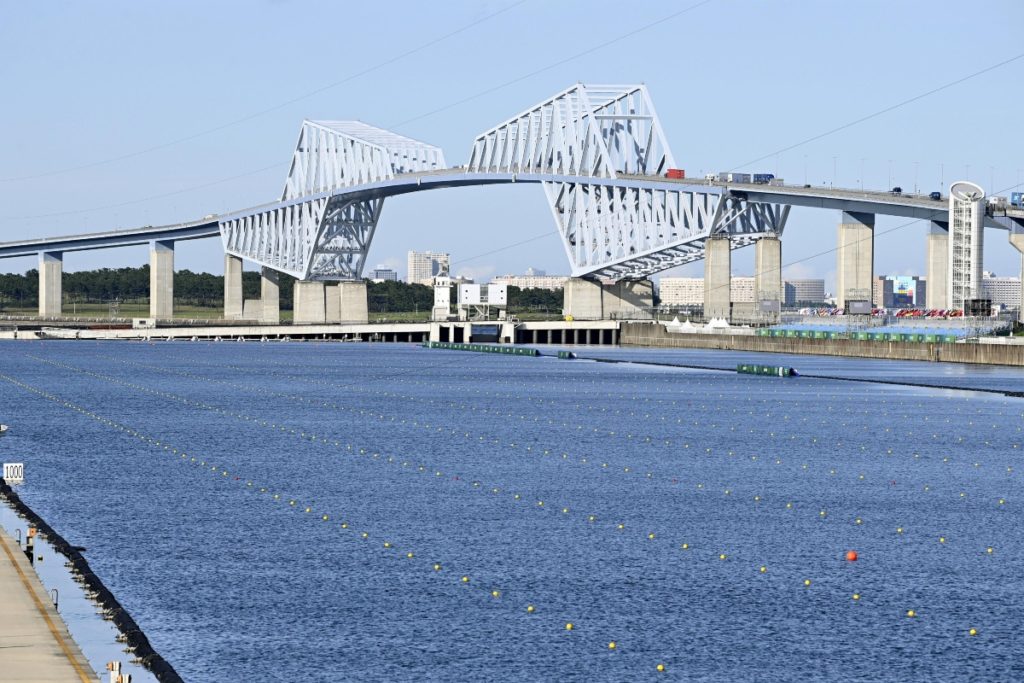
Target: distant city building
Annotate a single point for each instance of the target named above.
(534, 279)
(383, 274)
(1003, 291)
(899, 291)
(803, 292)
(425, 265)
(689, 291)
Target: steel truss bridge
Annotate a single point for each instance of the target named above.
(598, 152)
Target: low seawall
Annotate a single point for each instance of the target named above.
(135, 639)
(654, 334)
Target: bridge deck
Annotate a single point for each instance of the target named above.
(882, 203)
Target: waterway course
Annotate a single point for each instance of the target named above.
(372, 512)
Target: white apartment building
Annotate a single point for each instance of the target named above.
(689, 291)
(1003, 291)
(424, 265)
(551, 282)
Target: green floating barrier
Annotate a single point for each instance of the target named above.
(482, 348)
(566, 355)
(766, 370)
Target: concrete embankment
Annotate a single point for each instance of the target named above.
(136, 641)
(34, 641)
(654, 334)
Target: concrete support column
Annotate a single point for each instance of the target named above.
(768, 274)
(352, 302)
(856, 265)
(161, 279)
(1017, 240)
(51, 266)
(582, 299)
(270, 297)
(308, 303)
(717, 277)
(937, 288)
(232, 287)
(332, 302)
(628, 300)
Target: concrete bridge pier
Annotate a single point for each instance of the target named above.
(233, 304)
(352, 305)
(768, 276)
(1017, 240)
(330, 302)
(51, 267)
(308, 303)
(856, 263)
(161, 279)
(717, 277)
(270, 297)
(586, 299)
(937, 294)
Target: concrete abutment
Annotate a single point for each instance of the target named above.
(586, 299)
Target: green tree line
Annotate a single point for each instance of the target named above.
(203, 289)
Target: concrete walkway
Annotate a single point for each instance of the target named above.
(34, 642)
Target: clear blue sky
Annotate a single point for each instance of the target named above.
(732, 80)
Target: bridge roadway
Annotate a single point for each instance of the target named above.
(880, 203)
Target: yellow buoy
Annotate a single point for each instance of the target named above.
(973, 632)
(409, 555)
(465, 579)
(437, 566)
(807, 582)
(660, 668)
(650, 536)
(569, 626)
(911, 613)
(856, 596)
(530, 609)
(495, 594)
(685, 546)
(721, 556)
(612, 645)
(763, 569)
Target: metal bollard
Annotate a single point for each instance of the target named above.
(30, 545)
(115, 671)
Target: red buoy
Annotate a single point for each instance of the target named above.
(851, 555)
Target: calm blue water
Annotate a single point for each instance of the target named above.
(232, 585)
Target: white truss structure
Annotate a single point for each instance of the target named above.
(598, 131)
(599, 152)
(620, 230)
(623, 232)
(318, 232)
